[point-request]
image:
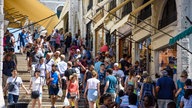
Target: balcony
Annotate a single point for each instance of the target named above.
(168, 20)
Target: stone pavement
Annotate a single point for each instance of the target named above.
(22, 72)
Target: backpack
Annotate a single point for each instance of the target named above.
(147, 89)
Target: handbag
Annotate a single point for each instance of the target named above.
(35, 94)
(11, 85)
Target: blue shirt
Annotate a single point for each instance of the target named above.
(112, 84)
(55, 77)
(22, 36)
(97, 66)
(167, 86)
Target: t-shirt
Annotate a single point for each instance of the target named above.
(77, 69)
(18, 83)
(36, 56)
(167, 86)
(118, 73)
(92, 83)
(37, 84)
(69, 72)
(49, 64)
(55, 77)
(62, 67)
(124, 101)
(187, 103)
(42, 69)
(97, 66)
(112, 83)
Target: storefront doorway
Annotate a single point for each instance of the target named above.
(125, 46)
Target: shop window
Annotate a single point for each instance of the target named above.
(112, 4)
(100, 1)
(169, 14)
(145, 54)
(90, 5)
(59, 10)
(168, 56)
(125, 46)
(145, 13)
(127, 9)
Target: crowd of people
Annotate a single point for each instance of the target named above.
(62, 63)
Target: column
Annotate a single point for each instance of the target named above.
(2, 103)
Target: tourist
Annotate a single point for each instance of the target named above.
(92, 90)
(133, 100)
(13, 85)
(62, 65)
(54, 82)
(186, 100)
(72, 91)
(111, 84)
(36, 84)
(106, 101)
(148, 101)
(165, 89)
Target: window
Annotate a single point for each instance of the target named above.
(169, 14)
(90, 5)
(100, 1)
(59, 10)
(127, 9)
(145, 13)
(112, 4)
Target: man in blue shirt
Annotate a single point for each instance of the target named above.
(111, 84)
(166, 89)
(97, 65)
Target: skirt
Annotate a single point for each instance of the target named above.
(92, 95)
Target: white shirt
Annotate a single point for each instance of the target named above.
(49, 64)
(118, 73)
(18, 83)
(37, 84)
(133, 106)
(92, 83)
(187, 103)
(42, 69)
(62, 67)
(77, 69)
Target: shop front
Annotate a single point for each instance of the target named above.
(167, 56)
(144, 54)
(99, 38)
(125, 46)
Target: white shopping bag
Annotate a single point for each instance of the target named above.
(66, 102)
(60, 93)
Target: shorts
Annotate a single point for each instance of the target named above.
(53, 91)
(69, 96)
(92, 95)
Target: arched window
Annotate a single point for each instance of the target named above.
(90, 5)
(145, 13)
(112, 4)
(127, 9)
(59, 10)
(169, 14)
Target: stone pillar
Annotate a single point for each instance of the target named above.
(2, 102)
(183, 57)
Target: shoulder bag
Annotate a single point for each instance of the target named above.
(11, 85)
(35, 94)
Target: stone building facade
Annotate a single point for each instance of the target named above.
(147, 39)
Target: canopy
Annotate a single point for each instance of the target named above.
(180, 36)
(35, 11)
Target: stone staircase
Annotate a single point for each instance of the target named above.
(23, 97)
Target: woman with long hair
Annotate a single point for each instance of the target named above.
(72, 90)
(131, 80)
(147, 88)
(36, 83)
(93, 88)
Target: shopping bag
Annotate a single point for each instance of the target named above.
(60, 93)
(66, 102)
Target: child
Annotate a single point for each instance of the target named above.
(186, 100)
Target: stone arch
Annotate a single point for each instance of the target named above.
(164, 7)
(58, 10)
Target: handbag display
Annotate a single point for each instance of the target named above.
(11, 85)
(35, 94)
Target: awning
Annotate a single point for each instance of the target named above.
(119, 24)
(180, 36)
(35, 12)
(141, 8)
